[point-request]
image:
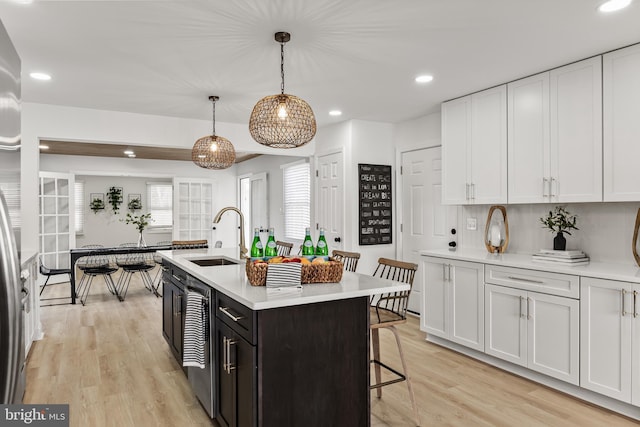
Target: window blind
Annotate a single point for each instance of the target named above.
(78, 192)
(160, 201)
(297, 200)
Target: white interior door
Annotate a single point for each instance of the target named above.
(259, 202)
(193, 209)
(426, 223)
(330, 204)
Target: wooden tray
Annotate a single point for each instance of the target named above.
(328, 272)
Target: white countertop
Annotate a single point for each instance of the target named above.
(600, 270)
(232, 281)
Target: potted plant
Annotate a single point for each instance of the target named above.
(560, 221)
(96, 205)
(135, 204)
(115, 198)
(141, 222)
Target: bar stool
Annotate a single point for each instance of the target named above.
(284, 248)
(189, 244)
(387, 311)
(134, 263)
(349, 259)
(46, 271)
(158, 260)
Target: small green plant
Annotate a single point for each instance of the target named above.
(96, 205)
(140, 221)
(560, 221)
(135, 204)
(115, 198)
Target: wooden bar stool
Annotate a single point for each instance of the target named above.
(387, 311)
(189, 244)
(284, 248)
(349, 259)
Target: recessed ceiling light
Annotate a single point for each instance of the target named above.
(613, 5)
(40, 76)
(23, 1)
(128, 152)
(426, 78)
(335, 113)
(43, 147)
(132, 155)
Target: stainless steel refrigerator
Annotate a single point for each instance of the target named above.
(12, 295)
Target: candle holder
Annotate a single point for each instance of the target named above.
(496, 232)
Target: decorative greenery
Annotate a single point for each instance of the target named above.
(560, 221)
(96, 205)
(140, 221)
(115, 198)
(135, 204)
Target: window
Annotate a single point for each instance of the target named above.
(296, 181)
(160, 201)
(78, 192)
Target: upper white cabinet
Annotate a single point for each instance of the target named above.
(621, 91)
(555, 135)
(474, 148)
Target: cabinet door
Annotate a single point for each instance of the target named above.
(528, 139)
(605, 337)
(456, 137)
(436, 300)
(488, 147)
(466, 318)
(179, 304)
(167, 311)
(621, 92)
(505, 324)
(553, 336)
(576, 131)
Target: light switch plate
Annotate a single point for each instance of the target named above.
(472, 224)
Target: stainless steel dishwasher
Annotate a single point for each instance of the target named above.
(202, 380)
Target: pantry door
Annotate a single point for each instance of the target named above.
(426, 223)
(330, 199)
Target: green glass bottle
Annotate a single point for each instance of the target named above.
(271, 250)
(322, 249)
(257, 252)
(307, 246)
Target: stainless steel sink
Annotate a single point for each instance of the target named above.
(213, 261)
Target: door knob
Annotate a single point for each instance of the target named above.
(337, 240)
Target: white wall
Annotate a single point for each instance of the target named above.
(422, 132)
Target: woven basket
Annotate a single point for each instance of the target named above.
(328, 272)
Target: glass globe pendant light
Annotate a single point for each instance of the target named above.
(282, 121)
(213, 151)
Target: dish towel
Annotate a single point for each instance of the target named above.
(284, 275)
(195, 329)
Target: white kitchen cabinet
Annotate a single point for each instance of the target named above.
(555, 135)
(534, 330)
(610, 339)
(454, 301)
(621, 97)
(474, 148)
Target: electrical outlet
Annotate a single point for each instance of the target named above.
(472, 224)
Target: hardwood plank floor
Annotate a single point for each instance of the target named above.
(109, 362)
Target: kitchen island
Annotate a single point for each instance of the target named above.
(275, 357)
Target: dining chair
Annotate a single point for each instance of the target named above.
(46, 271)
(130, 264)
(284, 248)
(387, 311)
(349, 259)
(92, 267)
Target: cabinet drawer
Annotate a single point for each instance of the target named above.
(237, 316)
(178, 276)
(563, 285)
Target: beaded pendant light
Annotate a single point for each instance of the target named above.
(282, 121)
(213, 151)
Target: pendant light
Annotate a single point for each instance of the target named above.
(213, 151)
(282, 121)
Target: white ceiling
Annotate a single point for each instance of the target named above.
(359, 56)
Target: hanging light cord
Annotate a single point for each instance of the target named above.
(214, 118)
(282, 67)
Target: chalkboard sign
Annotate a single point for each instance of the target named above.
(375, 204)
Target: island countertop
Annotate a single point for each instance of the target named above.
(232, 281)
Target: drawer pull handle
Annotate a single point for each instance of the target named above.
(225, 310)
(522, 279)
(177, 278)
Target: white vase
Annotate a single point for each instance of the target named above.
(141, 242)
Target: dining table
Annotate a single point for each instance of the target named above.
(77, 253)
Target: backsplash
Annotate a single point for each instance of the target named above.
(605, 234)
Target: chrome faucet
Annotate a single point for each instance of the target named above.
(216, 219)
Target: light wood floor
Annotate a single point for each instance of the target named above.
(109, 362)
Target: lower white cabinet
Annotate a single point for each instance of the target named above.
(538, 331)
(454, 301)
(610, 338)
